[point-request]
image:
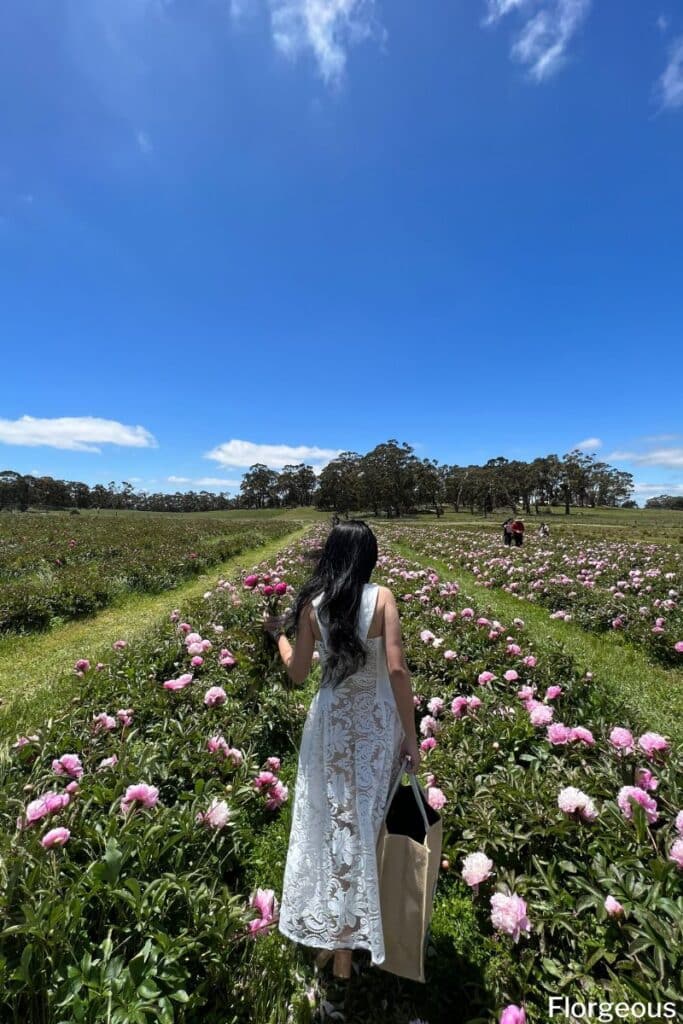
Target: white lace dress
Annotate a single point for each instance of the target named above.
(349, 758)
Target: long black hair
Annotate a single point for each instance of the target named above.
(344, 567)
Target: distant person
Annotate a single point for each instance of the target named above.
(544, 530)
(507, 531)
(517, 527)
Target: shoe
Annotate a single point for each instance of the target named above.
(342, 964)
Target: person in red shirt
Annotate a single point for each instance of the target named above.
(518, 532)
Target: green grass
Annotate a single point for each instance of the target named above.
(36, 672)
(651, 696)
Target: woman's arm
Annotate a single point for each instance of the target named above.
(297, 660)
(400, 679)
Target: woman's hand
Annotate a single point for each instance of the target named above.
(411, 750)
(272, 625)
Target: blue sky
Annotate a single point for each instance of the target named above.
(270, 230)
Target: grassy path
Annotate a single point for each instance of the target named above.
(649, 695)
(36, 672)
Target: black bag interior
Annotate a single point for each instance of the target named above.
(404, 817)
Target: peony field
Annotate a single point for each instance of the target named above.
(146, 784)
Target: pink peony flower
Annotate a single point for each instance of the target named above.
(646, 780)
(458, 706)
(197, 661)
(476, 868)
(427, 744)
(68, 764)
(571, 800)
(120, 645)
(622, 740)
(24, 741)
(467, 613)
(678, 647)
(552, 692)
(81, 666)
(526, 692)
(265, 779)
(582, 735)
(511, 676)
(125, 716)
(558, 734)
(280, 589)
(216, 816)
(530, 661)
(435, 706)
(276, 795)
(540, 714)
(108, 762)
(634, 794)
(44, 805)
(509, 915)
(450, 655)
(103, 722)
(251, 581)
(55, 837)
(226, 659)
(613, 907)
(180, 683)
(513, 1015)
(679, 822)
(652, 743)
(435, 798)
(273, 763)
(513, 649)
(485, 677)
(139, 795)
(676, 853)
(429, 726)
(215, 696)
(263, 901)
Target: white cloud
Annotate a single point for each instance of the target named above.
(662, 23)
(275, 456)
(648, 490)
(672, 458)
(670, 83)
(497, 9)
(73, 433)
(589, 444)
(203, 481)
(547, 32)
(662, 437)
(325, 28)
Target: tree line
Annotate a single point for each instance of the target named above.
(390, 480)
(668, 501)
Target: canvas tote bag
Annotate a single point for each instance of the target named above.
(408, 860)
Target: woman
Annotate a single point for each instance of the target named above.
(360, 727)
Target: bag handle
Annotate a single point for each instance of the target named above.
(418, 792)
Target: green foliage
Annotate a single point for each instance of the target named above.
(53, 568)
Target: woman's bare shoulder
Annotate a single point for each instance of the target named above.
(385, 595)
